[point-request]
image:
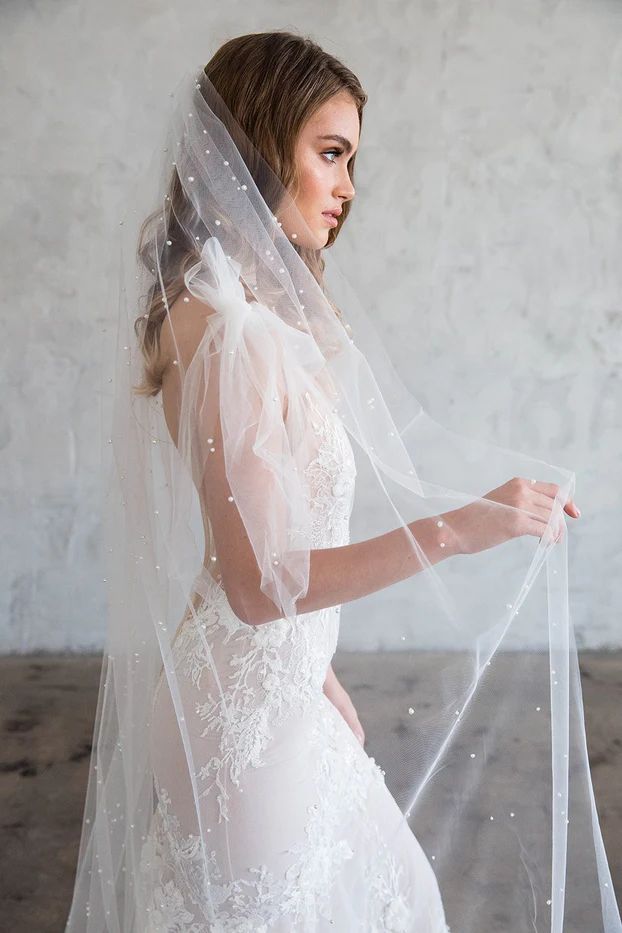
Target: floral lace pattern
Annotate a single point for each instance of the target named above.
(342, 780)
(270, 678)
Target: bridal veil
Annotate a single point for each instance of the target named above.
(491, 771)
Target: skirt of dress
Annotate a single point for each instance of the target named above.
(287, 823)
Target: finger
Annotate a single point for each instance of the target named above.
(570, 508)
(548, 489)
(357, 727)
(551, 534)
(542, 508)
(543, 500)
(540, 513)
(541, 529)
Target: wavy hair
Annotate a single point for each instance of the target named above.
(250, 74)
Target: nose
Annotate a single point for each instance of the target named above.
(344, 188)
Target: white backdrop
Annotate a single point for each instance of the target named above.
(490, 161)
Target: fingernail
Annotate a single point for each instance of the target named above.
(578, 509)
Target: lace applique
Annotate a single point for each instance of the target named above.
(331, 475)
(271, 671)
(267, 673)
(343, 778)
(389, 897)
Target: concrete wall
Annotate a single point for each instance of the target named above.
(490, 168)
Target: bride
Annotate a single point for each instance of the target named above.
(230, 789)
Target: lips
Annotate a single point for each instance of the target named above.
(330, 218)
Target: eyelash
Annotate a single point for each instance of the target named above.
(338, 151)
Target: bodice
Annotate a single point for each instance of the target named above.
(268, 672)
(331, 476)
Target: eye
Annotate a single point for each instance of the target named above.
(329, 151)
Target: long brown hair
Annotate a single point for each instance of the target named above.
(250, 74)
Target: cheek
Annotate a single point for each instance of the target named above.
(312, 184)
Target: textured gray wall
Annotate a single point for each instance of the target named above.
(490, 170)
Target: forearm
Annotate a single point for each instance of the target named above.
(340, 574)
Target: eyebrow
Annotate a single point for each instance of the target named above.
(347, 145)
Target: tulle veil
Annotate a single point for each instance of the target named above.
(483, 746)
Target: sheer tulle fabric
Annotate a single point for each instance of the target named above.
(226, 792)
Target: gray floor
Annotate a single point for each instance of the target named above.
(48, 705)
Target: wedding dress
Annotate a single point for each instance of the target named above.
(304, 834)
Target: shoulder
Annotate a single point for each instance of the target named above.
(183, 328)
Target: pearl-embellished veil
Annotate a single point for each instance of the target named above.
(466, 661)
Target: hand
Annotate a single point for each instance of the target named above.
(340, 698)
(479, 526)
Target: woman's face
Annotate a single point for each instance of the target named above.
(324, 148)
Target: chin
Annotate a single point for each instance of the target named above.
(318, 241)
(323, 239)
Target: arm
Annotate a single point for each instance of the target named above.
(337, 574)
(340, 698)
(340, 574)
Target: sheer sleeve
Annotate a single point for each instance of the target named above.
(244, 428)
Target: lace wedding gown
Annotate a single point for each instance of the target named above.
(301, 831)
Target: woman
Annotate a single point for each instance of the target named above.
(230, 789)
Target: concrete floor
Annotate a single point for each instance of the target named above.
(48, 705)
